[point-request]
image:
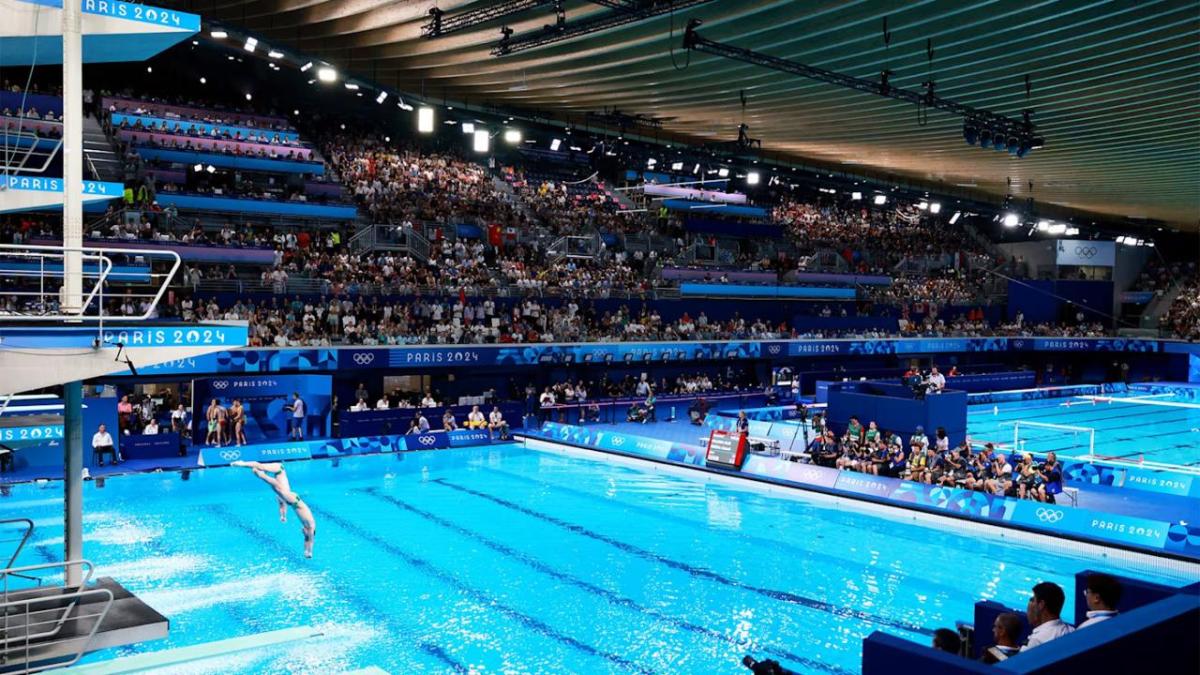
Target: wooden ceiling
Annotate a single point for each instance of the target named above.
(1115, 85)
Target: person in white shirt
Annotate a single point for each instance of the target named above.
(299, 413)
(178, 419)
(102, 443)
(1103, 594)
(1045, 605)
(448, 421)
(496, 423)
(937, 381)
(382, 403)
(428, 401)
(475, 419)
(359, 405)
(151, 428)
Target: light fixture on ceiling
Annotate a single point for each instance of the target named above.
(935, 207)
(425, 120)
(723, 172)
(512, 136)
(251, 44)
(752, 178)
(880, 200)
(856, 196)
(304, 68)
(954, 218)
(1011, 220)
(481, 140)
(381, 97)
(468, 127)
(351, 86)
(218, 34)
(275, 54)
(327, 74)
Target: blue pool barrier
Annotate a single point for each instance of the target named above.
(894, 408)
(1177, 539)
(337, 447)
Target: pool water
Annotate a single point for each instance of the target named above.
(510, 560)
(1160, 429)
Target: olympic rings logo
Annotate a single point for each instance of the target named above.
(221, 384)
(773, 349)
(1086, 251)
(618, 440)
(426, 440)
(231, 455)
(1049, 515)
(364, 358)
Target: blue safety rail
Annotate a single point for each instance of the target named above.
(745, 291)
(91, 269)
(261, 206)
(165, 124)
(233, 161)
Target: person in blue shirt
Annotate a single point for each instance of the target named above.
(743, 424)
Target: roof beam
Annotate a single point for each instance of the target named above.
(623, 13)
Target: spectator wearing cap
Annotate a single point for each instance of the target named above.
(1103, 594)
(1045, 606)
(1005, 630)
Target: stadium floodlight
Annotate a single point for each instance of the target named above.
(404, 106)
(326, 74)
(512, 136)
(381, 97)
(1072, 231)
(481, 140)
(856, 196)
(275, 54)
(352, 86)
(752, 178)
(954, 218)
(198, 168)
(651, 162)
(696, 169)
(304, 68)
(218, 34)
(251, 44)
(1043, 226)
(249, 97)
(723, 172)
(203, 80)
(924, 206)
(1058, 228)
(935, 207)
(425, 120)
(556, 144)
(677, 166)
(880, 200)
(1011, 220)
(468, 127)
(211, 169)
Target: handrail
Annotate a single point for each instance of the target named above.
(20, 649)
(24, 539)
(93, 252)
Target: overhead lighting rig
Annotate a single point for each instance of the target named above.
(622, 13)
(616, 118)
(989, 129)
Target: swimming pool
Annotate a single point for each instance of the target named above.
(513, 560)
(1156, 428)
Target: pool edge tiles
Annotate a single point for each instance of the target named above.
(1109, 531)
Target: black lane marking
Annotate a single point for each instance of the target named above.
(479, 596)
(608, 595)
(698, 572)
(364, 603)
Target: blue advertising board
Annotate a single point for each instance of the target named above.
(340, 447)
(267, 401)
(268, 360)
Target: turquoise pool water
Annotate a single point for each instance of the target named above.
(1159, 429)
(507, 560)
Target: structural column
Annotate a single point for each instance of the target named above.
(72, 147)
(73, 478)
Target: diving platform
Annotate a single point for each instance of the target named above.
(53, 626)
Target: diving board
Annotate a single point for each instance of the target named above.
(207, 650)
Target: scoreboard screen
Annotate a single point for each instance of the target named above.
(725, 449)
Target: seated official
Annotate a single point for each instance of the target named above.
(475, 418)
(496, 423)
(151, 428)
(102, 444)
(360, 406)
(1051, 473)
(636, 413)
(1005, 629)
(383, 403)
(448, 421)
(419, 425)
(1103, 594)
(1045, 605)
(179, 419)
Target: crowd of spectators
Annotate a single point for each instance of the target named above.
(182, 108)
(1182, 320)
